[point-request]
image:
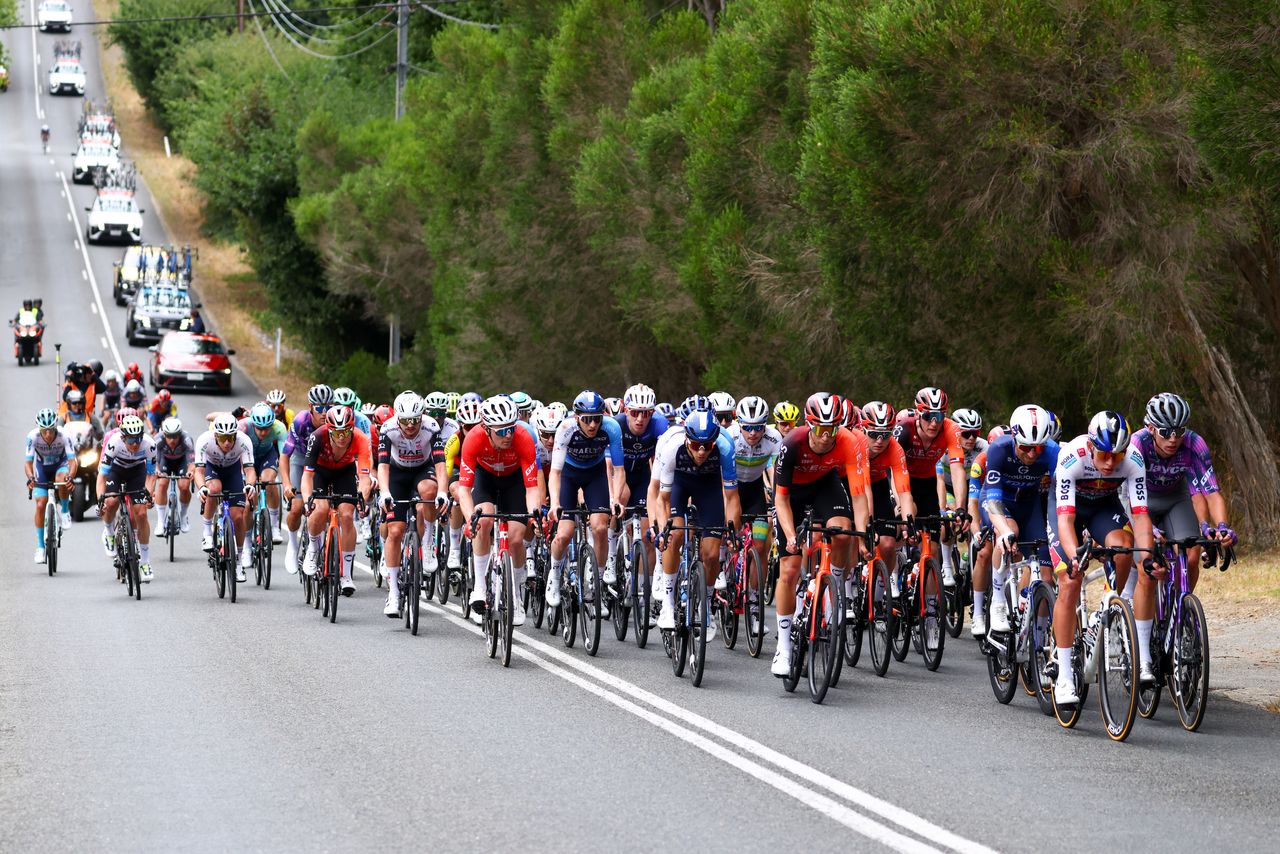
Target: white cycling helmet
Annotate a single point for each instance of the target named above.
(275, 397)
(436, 401)
(546, 420)
(408, 405)
(640, 396)
(753, 410)
(722, 402)
(468, 412)
(499, 411)
(967, 419)
(134, 387)
(224, 425)
(1030, 425)
(109, 376)
(171, 427)
(613, 405)
(559, 408)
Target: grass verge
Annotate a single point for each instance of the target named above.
(230, 293)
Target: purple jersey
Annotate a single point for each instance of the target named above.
(299, 433)
(1190, 463)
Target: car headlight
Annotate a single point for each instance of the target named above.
(144, 320)
(226, 370)
(87, 458)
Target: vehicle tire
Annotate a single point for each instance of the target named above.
(506, 605)
(753, 608)
(1189, 675)
(882, 625)
(619, 610)
(642, 592)
(1117, 686)
(589, 604)
(1040, 611)
(824, 648)
(933, 627)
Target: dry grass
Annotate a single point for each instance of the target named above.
(1250, 588)
(225, 282)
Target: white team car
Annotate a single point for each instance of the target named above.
(54, 15)
(93, 154)
(67, 75)
(115, 215)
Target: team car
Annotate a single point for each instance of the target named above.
(114, 215)
(67, 77)
(151, 265)
(54, 15)
(95, 154)
(155, 310)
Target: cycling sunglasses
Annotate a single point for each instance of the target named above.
(968, 434)
(132, 440)
(320, 409)
(591, 419)
(1106, 456)
(1171, 432)
(410, 422)
(933, 415)
(822, 431)
(340, 434)
(700, 446)
(547, 436)
(752, 428)
(502, 432)
(879, 435)
(725, 418)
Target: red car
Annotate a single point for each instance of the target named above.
(191, 361)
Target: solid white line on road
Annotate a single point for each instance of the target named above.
(93, 280)
(855, 821)
(35, 58)
(93, 306)
(904, 818)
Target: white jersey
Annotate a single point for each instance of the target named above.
(208, 453)
(49, 454)
(116, 452)
(401, 451)
(752, 460)
(448, 427)
(673, 436)
(1077, 476)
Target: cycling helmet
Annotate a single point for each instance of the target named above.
(1055, 426)
(453, 397)
(722, 403)
(223, 425)
(823, 408)
(468, 412)
(171, 427)
(930, 399)
(46, 418)
(666, 410)
(134, 387)
(133, 369)
(753, 410)
(786, 411)
(851, 415)
(110, 376)
(383, 414)
(340, 418)
(164, 395)
(998, 431)
(1168, 411)
(275, 397)
(472, 397)
(344, 396)
(701, 426)
(640, 396)
(877, 415)
(262, 415)
(408, 405)
(367, 408)
(435, 402)
(559, 408)
(694, 402)
(499, 411)
(75, 396)
(613, 405)
(124, 412)
(967, 419)
(588, 403)
(132, 425)
(523, 402)
(1109, 431)
(1029, 425)
(320, 395)
(546, 420)
(96, 366)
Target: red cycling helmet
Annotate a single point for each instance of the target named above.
(996, 432)
(877, 415)
(382, 414)
(164, 394)
(823, 408)
(930, 399)
(340, 418)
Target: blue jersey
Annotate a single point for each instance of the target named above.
(637, 451)
(674, 461)
(1010, 479)
(537, 445)
(578, 450)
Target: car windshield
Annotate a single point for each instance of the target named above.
(165, 298)
(182, 345)
(68, 68)
(115, 205)
(54, 6)
(97, 151)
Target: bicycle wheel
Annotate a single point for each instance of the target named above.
(642, 591)
(505, 609)
(215, 560)
(1118, 669)
(799, 647)
(1040, 612)
(589, 604)
(255, 539)
(467, 584)
(700, 609)
(680, 634)
(620, 611)
(334, 577)
(375, 552)
(489, 620)
(855, 619)
(953, 597)
(824, 648)
(881, 623)
(933, 630)
(428, 578)
(232, 561)
(1069, 714)
(51, 532)
(771, 580)
(901, 636)
(567, 613)
(753, 612)
(1002, 669)
(174, 524)
(266, 554)
(131, 543)
(442, 563)
(1189, 674)
(413, 607)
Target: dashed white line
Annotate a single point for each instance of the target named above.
(109, 342)
(76, 243)
(69, 219)
(105, 346)
(83, 274)
(92, 306)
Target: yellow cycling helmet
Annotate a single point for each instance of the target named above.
(786, 412)
(454, 397)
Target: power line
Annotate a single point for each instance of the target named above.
(219, 16)
(330, 56)
(318, 26)
(286, 18)
(456, 20)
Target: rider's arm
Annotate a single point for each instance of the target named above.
(1065, 501)
(729, 481)
(1136, 479)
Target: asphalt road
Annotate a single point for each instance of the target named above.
(183, 722)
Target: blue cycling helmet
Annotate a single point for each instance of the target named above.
(696, 401)
(588, 403)
(701, 426)
(472, 397)
(1109, 431)
(666, 410)
(262, 415)
(1055, 426)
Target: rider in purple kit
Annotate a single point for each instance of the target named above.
(306, 422)
(1182, 490)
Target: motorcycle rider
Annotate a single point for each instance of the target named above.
(77, 411)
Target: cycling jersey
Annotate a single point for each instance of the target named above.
(398, 450)
(1008, 479)
(978, 472)
(209, 453)
(300, 432)
(890, 461)
(751, 459)
(111, 397)
(638, 450)
(50, 455)
(675, 461)
(158, 411)
(921, 458)
(116, 452)
(576, 449)
(1077, 476)
(943, 468)
(1191, 465)
(322, 454)
(179, 457)
(799, 464)
(275, 438)
(452, 448)
(478, 453)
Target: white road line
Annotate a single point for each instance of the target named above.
(60, 192)
(93, 280)
(85, 275)
(104, 344)
(855, 821)
(93, 306)
(35, 58)
(76, 243)
(69, 219)
(902, 817)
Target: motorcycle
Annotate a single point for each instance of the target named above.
(84, 494)
(28, 342)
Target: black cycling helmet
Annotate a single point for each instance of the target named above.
(96, 365)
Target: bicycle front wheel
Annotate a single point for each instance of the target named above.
(933, 629)
(824, 648)
(856, 619)
(1040, 612)
(334, 578)
(1189, 678)
(753, 612)
(490, 617)
(413, 607)
(700, 609)
(881, 623)
(953, 597)
(589, 603)
(505, 607)
(1118, 669)
(230, 561)
(642, 590)
(51, 532)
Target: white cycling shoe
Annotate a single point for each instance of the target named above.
(948, 577)
(999, 615)
(392, 608)
(722, 581)
(1146, 673)
(667, 616)
(277, 536)
(553, 592)
(310, 564)
(978, 628)
(517, 611)
(186, 524)
(291, 559)
(109, 543)
(39, 556)
(455, 559)
(348, 586)
(610, 575)
(781, 665)
(206, 543)
(65, 520)
(145, 574)
(1064, 691)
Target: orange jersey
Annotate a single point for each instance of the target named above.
(799, 464)
(890, 460)
(922, 459)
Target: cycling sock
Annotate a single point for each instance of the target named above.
(979, 601)
(1144, 639)
(315, 545)
(482, 567)
(65, 504)
(429, 532)
(1065, 670)
(784, 631)
(455, 539)
(669, 589)
(393, 576)
(946, 557)
(1131, 583)
(997, 583)
(557, 569)
(613, 540)
(348, 561)
(106, 526)
(293, 539)
(40, 536)
(144, 552)
(274, 516)
(208, 527)
(183, 507)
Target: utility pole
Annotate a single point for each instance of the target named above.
(240, 16)
(402, 76)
